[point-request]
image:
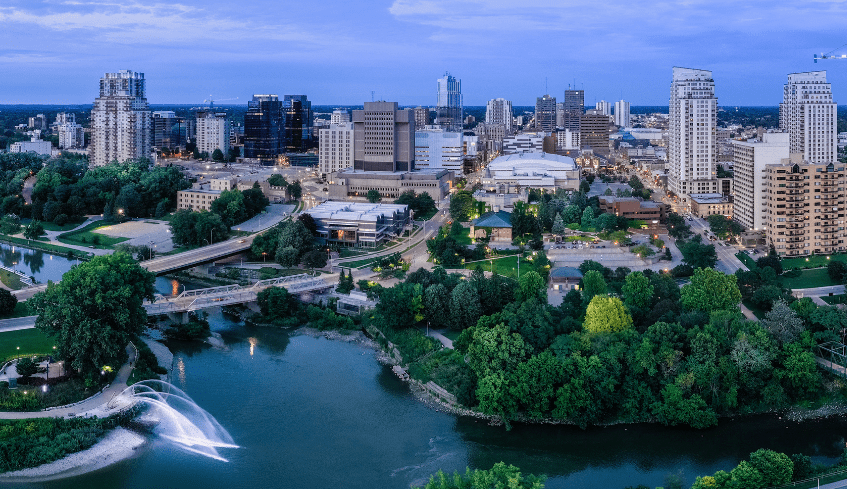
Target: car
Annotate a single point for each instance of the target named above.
(242, 240)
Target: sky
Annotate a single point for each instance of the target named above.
(338, 51)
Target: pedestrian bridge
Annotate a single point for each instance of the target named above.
(193, 300)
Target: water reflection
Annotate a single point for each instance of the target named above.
(35, 260)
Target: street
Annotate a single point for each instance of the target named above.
(727, 261)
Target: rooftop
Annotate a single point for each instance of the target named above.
(708, 198)
(499, 219)
(354, 211)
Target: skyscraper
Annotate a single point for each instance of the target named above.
(573, 109)
(499, 111)
(213, 131)
(622, 113)
(297, 132)
(120, 119)
(336, 149)
(421, 117)
(594, 130)
(604, 107)
(692, 147)
(263, 127)
(545, 113)
(449, 103)
(808, 114)
(749, 161)
(384, 138)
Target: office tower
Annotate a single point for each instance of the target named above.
(545, 113)
(573, 109)
(604, 107)
(213, 132)
(692, 147)
(622, 113)
(120, 119)
(560, 114)
(448, 105)
(803, 201)
(384, 138)
(594, 130)
(339, 116)
(750, 158)
(808, 114)
(71, 135)
(335, 148)
(263, 126)
(421, 117)
(168, 130)
(439, 150)
(297, 132)
(499, 111)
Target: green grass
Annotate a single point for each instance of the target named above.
(24, 342)
(580, 238)
(835, 299)
(49, 226)
(463, 238)
(11, 280)
(20, 310)
(817, 277)
(88, 237)
(506, 266)
(812, 261)
(759, 313)
(746, 260)
(427, 215)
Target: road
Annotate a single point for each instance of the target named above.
(170, 263)
(15, 324)
(727, 261)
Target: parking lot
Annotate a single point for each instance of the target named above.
(142, 232)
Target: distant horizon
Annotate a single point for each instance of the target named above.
(587, 107)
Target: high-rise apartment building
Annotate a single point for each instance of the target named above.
(263, 128)
(298, 118)
(384, 138)
(808, 114)
(573, 109)
(604, 107)
(438, 149)
(499, 111)
(120, 119)
(213, 131)
(622, 113)
(545, 113)
(749, 161)
(38, 122)
(692, 147)
(65, 117)
(71, 135)
(805, 207)
(448, 105)
(594, 130)
(421, 117)
(335, 148)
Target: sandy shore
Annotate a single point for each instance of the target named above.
(119, 444)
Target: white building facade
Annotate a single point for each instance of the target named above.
(749, 160)
(604, 107)
(437, 149)
(335, 148)
(34, 145)
(622, 113)
(71, 135)
(120, 119)
(692, 147)
(524, 143)
(808, 114)
(213, 130)
(499, 111)
(567, 139)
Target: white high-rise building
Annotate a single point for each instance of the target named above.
(440, 150)
(622, 113)
(65, 117)
(567, 139)
(604, 107)
(749, 160)
(120, 119)
(448, 105)
(808, 114)
(499, 111)
(335, 148)
(71, 135)
(213, 131)
(692, 147)
(339, 116)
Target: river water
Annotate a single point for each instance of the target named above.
(315, 413)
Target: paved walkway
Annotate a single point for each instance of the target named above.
(96, 402)
(447, 342)
(15, 324)
(747, 313)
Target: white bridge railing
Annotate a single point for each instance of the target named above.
(24, 279)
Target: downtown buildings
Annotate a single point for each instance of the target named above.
(120, 119)
(499, 111)
(622, 113)
(273, 127)
(448, 105)
(545, 113)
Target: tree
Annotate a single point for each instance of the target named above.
(637, 291)
(276, 303)
(254, 200)
(314, 259)
(297, 237)
(606, 315)
(33, 230)
(584, 187)
(218, 155)
(783, 323)
(593, 284)
(836, 271)
(230, 206)
(95, 310)
(277, 180)
(7, 302)
(462, 206)
(437, 300)
(747, 476)
(571, 214)
(345, 282)
(677, 227)
(776, 468)
(374, 196)
(698, 254)
(558, 225)
(710, 290)
(465, 307)
(309, 222)
(500, 476)
(531, 285)
(587, 218)
(26, 368)
(295, 190)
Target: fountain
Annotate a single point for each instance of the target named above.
(177, 417)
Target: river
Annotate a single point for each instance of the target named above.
(315, 413)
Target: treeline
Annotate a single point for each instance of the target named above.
(629, 346)
(279, 308)
(290, 243)
(190, 228)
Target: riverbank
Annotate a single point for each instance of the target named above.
(120, 444)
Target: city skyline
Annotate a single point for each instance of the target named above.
(189, 50)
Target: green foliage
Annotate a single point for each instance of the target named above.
(374, 196)
(197, 328)
(501, 476)
(465, 306)
(462, 206)
(7, 302)
(593, 284)
(345, 282)
(33, 230)
(587, 220)
(95, 310)
(776, 468)
(26, 367)
(325, 319)
(196, 228)
(277, 180)
(10, 224)
(711, 290)
(697, 254)
(421, 204)
(606, 315)
(723, 227)
(277, 306)
(295, 190)
(230, 206)
(531, 286)
(678, 228)
(643, 251)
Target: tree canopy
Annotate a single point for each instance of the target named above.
(711, 290)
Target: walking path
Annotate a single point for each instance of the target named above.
(97, 402)
(447, 342)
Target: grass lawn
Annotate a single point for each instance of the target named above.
(49, 226)
(580, 238)
(463, 238)
(746, 260)
(835, 299)
(11, 280)
(808, 279)
(24, 342)
(87, 237)
(812, 261)
(506, 266)
(426, 216)
(756, 311)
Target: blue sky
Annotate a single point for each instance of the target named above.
(336, 52)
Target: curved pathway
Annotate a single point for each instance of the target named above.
(97, 402)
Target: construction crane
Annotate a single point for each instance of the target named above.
(829, 55)
(211, 102)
